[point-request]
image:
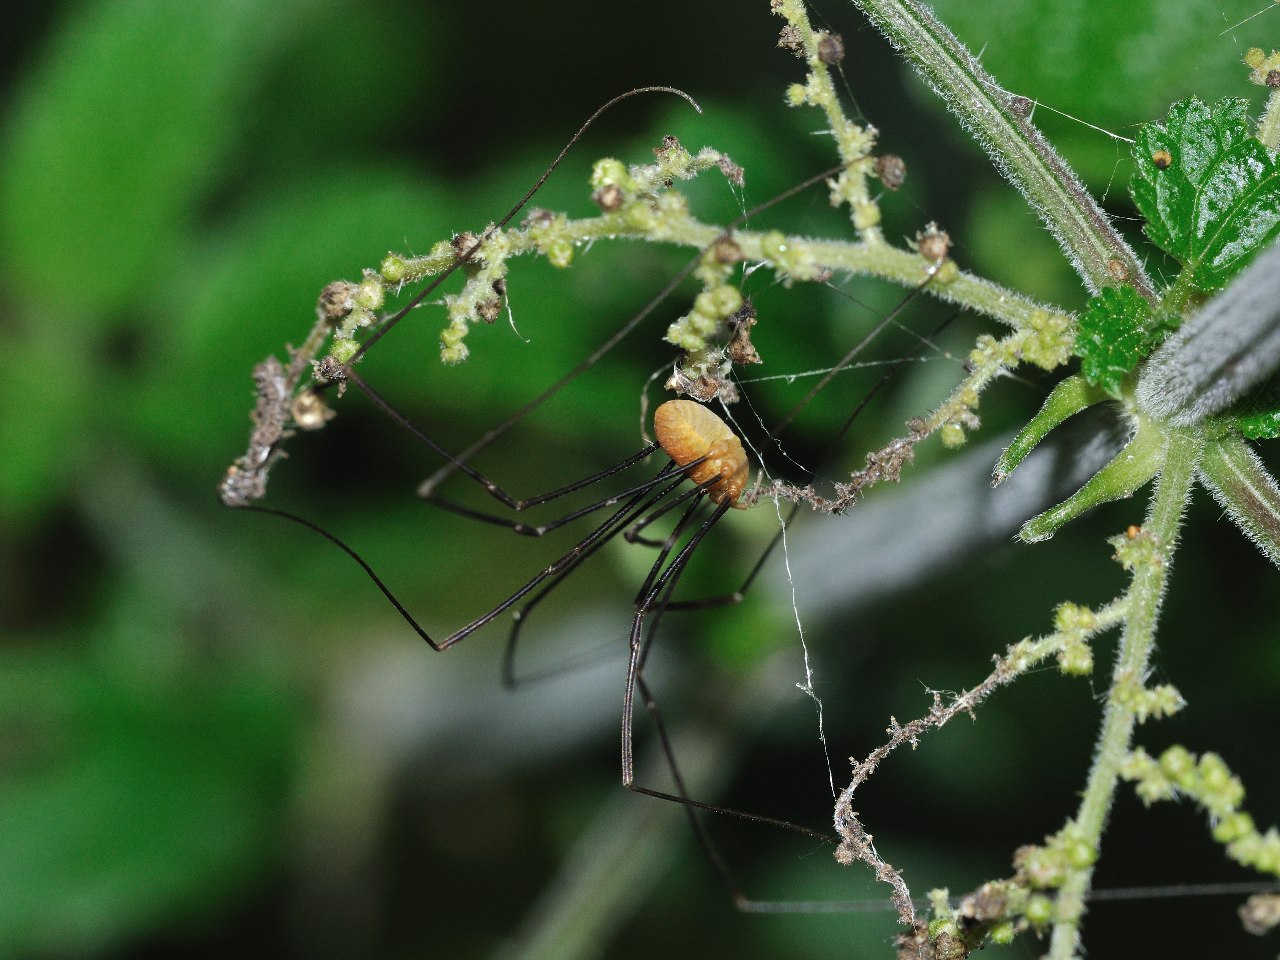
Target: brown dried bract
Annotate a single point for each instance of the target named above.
(732, 172)
(536, 217)
(789, 38)
(704, 389)
(831, 48)
(916, 944)
(329, 370)
(489, 310)
(740, 349)
(336, 301)
(933, 243)
(727, 251)
(988, 904)
(609, 198)
(891, 170)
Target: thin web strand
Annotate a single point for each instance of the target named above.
(807, 686)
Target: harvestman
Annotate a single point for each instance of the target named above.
(701, 448)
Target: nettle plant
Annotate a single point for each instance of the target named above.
(1190, 366)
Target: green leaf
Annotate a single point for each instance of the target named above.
(1210, 191)
(1258, 418)
(1117, 332)
(1260, 426)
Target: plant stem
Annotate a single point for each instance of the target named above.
(1269, 125)
(1000, 122)
(879, 259)
(1132, 660)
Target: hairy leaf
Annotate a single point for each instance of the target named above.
(1210, 191)
(1117, 332)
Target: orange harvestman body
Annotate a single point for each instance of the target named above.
(688, 431)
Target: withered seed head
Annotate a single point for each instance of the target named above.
(329, 370)
(891, 170)
(309, 411)
(727, 251)
(608, 198)
(789, 39)
(831, 48)
(740, 349)
(933, 243)
(336, 301)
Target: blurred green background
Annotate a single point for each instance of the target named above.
(214, 735)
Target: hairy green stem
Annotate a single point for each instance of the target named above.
(1000, 122)
(904, 267)
(1132, 662)
(1240, 482)
(1269, 125)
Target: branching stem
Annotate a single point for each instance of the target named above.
(1000, 123)
(1142, 605)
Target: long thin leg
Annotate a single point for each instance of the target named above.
(618, 522)
(623, 524)
(580, 551)
(538, 530)
(465, 468)
(611, 527)
(632, 533)
(656, 600)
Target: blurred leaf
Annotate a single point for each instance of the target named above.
(41, 412)
(123, 803)
(1209, 190)
(120, 134)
